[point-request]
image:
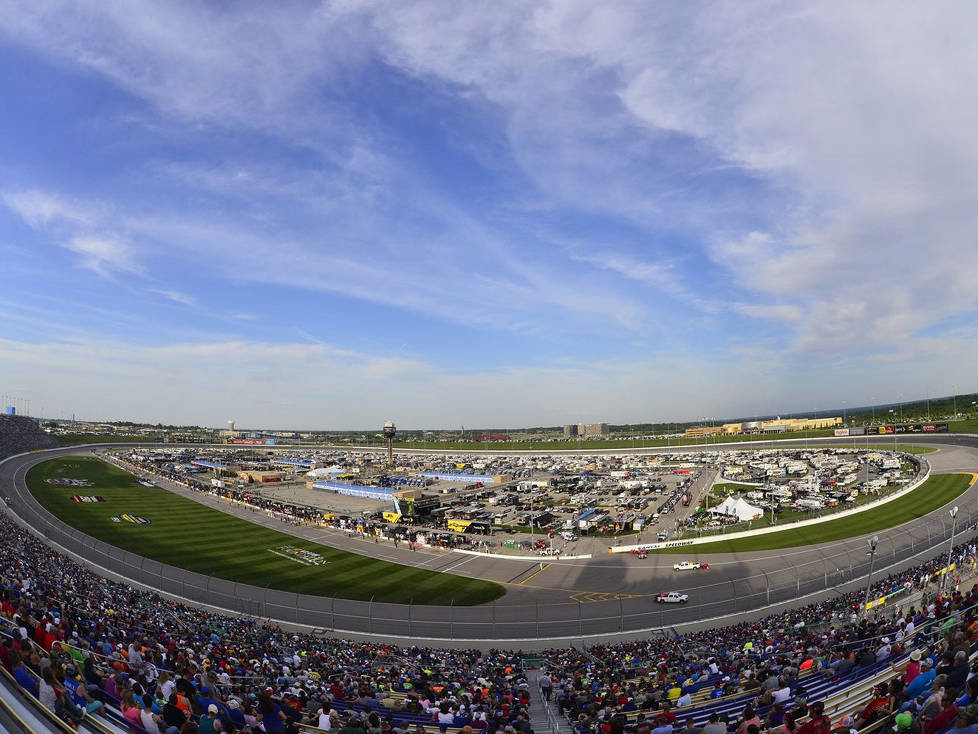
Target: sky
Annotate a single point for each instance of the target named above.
(325, 215)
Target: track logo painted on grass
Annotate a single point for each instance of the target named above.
(65, 482)
(134, 519)
(299, 555)
(79, 498)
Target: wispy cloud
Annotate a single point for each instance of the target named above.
(42, 208)
(180, 297)
(104, 255)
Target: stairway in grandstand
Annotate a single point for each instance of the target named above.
(22, 714)
(543, 715)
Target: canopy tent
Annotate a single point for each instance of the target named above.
(739, 508)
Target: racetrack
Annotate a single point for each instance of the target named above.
(560, 601)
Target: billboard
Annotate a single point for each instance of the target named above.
(841, 431)
(857, 431)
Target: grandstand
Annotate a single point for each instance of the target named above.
(64, 626)
(19, 433)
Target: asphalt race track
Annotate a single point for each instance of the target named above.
(559, 601)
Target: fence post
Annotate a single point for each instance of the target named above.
(451, 620)
(370, 615)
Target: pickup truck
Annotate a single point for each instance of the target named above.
(672, 597)
(688, 566)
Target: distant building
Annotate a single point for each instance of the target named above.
(593, 430)
(799, 424)
(698, 431)
(570, 431)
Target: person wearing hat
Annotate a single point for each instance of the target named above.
(880, 706)
(818, 722)
(923, 681)
(903, 721)
(210, 723)
(911, 669)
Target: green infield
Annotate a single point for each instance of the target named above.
(936, 492)
(187, 534)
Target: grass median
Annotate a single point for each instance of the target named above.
(187, 534)
(933, 494)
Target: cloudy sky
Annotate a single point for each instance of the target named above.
(497, 213)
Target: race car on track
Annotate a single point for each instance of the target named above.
(672, 597)
(688, 566)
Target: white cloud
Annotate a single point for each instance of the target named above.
(42, 208)
(180, 297)
(104, 254)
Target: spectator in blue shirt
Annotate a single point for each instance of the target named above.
(23, 678)
(923, 681)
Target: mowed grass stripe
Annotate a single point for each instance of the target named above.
(933, 494)
(189, 535)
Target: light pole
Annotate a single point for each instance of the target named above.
(950, 546)
(873, 542)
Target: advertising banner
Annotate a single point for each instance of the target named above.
(857, 431)
(841, 431)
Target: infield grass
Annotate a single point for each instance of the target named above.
(936, 492)
(190, 535)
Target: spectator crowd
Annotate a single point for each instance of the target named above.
(86, 646)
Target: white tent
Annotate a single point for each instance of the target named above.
(739, 508)
(324, 472)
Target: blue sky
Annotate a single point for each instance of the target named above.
(325, 215)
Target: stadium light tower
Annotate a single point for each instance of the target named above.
(390, 430)
(873, 542)
(950, 546)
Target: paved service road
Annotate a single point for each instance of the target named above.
(610, 595)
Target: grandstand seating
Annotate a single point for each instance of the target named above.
(129, 638)
(19, 433)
